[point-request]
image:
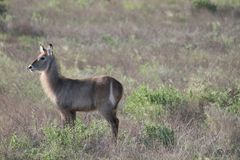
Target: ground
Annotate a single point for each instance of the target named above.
(178, 62)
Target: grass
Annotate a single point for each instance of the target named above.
(56, 143)
(160, 133)
(224, 3)
(204, 4)
(178, 64)
(227, 99)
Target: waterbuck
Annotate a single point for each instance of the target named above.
(101, 93)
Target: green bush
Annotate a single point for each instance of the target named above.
(227, 3)
(159, 133)
(3, 7)
(215, 96)
(137, 103)
(147, 103)
(3, 14)
(234, 108)
(165, 96)
(228, 100)
(204, 4)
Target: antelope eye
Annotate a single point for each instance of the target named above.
(42, 58)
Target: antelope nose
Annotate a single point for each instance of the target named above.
(30, 67)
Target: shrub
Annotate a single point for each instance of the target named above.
(3, 13)
(3, 7)
(138, 104)
(228, 100)
(204, 4)
(215, 96)
(234, 108)
(227, 3)
(166, 96)
(159, 133)
(147, 103)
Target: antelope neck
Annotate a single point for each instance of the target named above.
(51, 77)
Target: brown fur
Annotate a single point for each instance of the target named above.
(72, 95)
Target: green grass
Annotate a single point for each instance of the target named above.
(227, 3)
(146, 103)
(57, 143)
(132, 5)
(108, 39)
(226, 99)
(204, 4)
(212, 5)
(161, 133)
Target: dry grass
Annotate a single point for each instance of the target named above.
(153, 43)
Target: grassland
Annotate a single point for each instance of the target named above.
(178, 61)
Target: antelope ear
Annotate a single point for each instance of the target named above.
(42, 49)
(50, 50)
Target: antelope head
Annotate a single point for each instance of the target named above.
(43, 60)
